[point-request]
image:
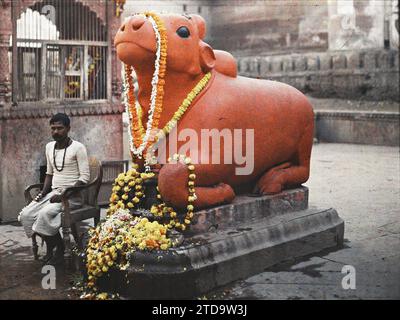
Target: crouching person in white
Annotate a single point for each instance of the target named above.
(67, 165)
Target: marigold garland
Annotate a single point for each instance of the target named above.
(140, 137)
(113, 240)
(162, 210)
(171, 124)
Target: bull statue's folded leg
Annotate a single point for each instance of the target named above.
(289, 174)
(173, 186)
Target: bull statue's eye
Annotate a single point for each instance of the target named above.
(183, 32)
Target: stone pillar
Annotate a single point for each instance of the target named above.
(356, 24)
(5, 33)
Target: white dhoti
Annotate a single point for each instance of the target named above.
(44, 217)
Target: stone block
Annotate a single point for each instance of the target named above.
(370, 60)
(353, 60)
(339, 61)
(243, 66)
(383, 60)
(287, 64)
(265, 66)
(313, 63)
(246, 208)
(388, 59)
(394, 59)
(325, 62)
(253, 67)
(300, 63)
(277, 65)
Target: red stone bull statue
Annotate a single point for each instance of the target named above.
(184, 84)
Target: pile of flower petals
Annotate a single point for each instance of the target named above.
(112, 241)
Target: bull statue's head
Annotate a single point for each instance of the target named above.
(135, 42)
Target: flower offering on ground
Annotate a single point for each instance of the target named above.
(112, 241)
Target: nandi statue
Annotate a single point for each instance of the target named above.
(183, 83)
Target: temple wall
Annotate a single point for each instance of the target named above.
(367, 74)
(326, 48)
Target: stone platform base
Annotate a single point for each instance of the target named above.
(224, 247)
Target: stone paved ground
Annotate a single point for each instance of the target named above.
(361, 182)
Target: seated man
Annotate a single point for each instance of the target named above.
(67, 165)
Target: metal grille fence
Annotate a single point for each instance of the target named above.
(61, 49)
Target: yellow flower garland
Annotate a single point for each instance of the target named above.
(162, 209)
(111, 243)
(171, 124)
(133, 180)
(136, 126)
(127, 182)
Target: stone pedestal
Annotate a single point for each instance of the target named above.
(229, 243)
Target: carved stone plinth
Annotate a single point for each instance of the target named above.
(229, 243)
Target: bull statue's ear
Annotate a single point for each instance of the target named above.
(207, 57)
(201, 25)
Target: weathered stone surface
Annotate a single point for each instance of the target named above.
(353, 60)
(338, 61)
(287, 65)
(245, 209)
(313, 63)
(254, 65)
(277, 228)
(277, 65)
(326, 62)
(265, 65)
(300, 63)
